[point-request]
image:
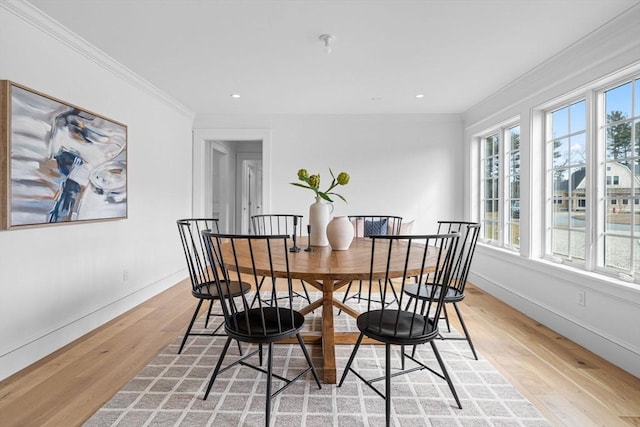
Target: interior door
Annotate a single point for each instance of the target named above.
(250, 175)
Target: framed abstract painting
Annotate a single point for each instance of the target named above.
(60, 163)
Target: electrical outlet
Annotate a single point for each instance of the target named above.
(125, 275)
(581, 298)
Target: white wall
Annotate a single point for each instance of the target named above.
(609, 324)
(404, 165)
(58, 283)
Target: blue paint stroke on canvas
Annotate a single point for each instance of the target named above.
(66, 164)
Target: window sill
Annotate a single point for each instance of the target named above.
(596, 282)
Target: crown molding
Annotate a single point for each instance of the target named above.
(614, 42)
(34, 16)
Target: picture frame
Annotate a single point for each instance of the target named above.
(61, 163)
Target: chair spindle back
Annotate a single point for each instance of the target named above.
(429, 258)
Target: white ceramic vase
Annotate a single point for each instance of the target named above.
(340, 233)
(319, 213)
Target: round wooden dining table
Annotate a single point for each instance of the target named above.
(329, 271)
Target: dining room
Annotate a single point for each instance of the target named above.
(419, 151)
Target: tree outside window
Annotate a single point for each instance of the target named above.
(500, 186)
(622, 183)
(567, 146)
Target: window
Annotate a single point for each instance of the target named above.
(512, 180)
(566, 174)
(490, 184)
(613, 180)
(619, 131)
(592, 161)
(500, 186)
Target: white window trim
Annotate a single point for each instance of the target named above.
(593, 95)
(503, 208)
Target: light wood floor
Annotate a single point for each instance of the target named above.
(568, 384)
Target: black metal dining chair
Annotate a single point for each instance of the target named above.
(279, 224)
(264, 324)
(367, 226)
(469, 232)
(203, 286)
(417, 323)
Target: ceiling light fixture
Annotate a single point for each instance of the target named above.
(235, 95)
(420, 96)
(327, 39)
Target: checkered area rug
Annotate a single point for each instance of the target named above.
(170, 390)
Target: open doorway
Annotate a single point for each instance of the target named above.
(229, 178)
(233, 183)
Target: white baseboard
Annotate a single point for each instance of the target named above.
(609, 349)
(17, 359)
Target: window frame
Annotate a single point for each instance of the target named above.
(504, 199)
(600, 132)
(550, 201)
(597, 175)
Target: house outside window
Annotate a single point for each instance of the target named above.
(592, 161)
(619, 131)
(566, 172)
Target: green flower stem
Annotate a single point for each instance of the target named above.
(313, 182)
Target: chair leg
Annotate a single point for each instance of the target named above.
(217, 369)
(346, 293)
(383, 293)
(359, 290)
(408, 304)
(395, 294)
(193, 319)
(464, 329)
(424, 305)
(353, 355)
(387, 384)
(206, 322)
(306, 355)
(446, 316)
(267, 410)
(257, 295)
(445, 373)
(306, 293)
(346, 296)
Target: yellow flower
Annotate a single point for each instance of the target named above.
(313, 182)
(343, 178)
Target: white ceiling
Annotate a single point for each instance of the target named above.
(455, 52)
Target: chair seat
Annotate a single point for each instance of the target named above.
(396, 327)
(425, 291)
(279, 323)
(208, 290)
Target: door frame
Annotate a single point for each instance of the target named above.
(202, 137)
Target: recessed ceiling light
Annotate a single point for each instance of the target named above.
(376, 98)
(420, 96)
(235, 95)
